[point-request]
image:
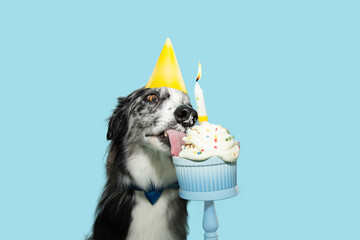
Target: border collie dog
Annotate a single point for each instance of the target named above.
(140, 199)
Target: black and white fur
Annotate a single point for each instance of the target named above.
(139, 154)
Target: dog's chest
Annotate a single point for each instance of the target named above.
(150, 222)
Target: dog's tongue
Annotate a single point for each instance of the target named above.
(176, 141)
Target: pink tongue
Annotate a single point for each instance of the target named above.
(176, 141)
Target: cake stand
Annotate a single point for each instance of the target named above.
(209, 180)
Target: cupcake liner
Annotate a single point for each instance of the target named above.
(206, 180)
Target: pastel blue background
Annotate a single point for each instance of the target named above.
(282, 76)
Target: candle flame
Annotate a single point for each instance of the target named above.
(199, 72)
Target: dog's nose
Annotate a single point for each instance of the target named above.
(186, 116)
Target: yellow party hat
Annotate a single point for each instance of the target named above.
(167, 72)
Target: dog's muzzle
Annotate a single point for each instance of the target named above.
(186, 116)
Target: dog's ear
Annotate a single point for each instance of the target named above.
(118, 122)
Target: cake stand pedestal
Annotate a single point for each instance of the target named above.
(210, 221)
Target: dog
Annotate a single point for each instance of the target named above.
(139, 159)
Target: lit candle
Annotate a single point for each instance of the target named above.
(200, 101)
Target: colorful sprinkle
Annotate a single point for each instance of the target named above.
(215, 140)
(202, 150)
(234, 154)
(215, 147)
(207, 136)
(207, 130)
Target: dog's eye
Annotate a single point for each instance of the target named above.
(152, 98)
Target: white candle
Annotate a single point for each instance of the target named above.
(200, 101)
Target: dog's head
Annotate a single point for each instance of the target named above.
(142, 118)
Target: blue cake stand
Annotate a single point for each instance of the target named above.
(209, 180)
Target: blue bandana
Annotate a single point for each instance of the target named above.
(153, 194)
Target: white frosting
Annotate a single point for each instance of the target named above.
(207, 140)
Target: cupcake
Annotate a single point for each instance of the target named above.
(205, 163)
